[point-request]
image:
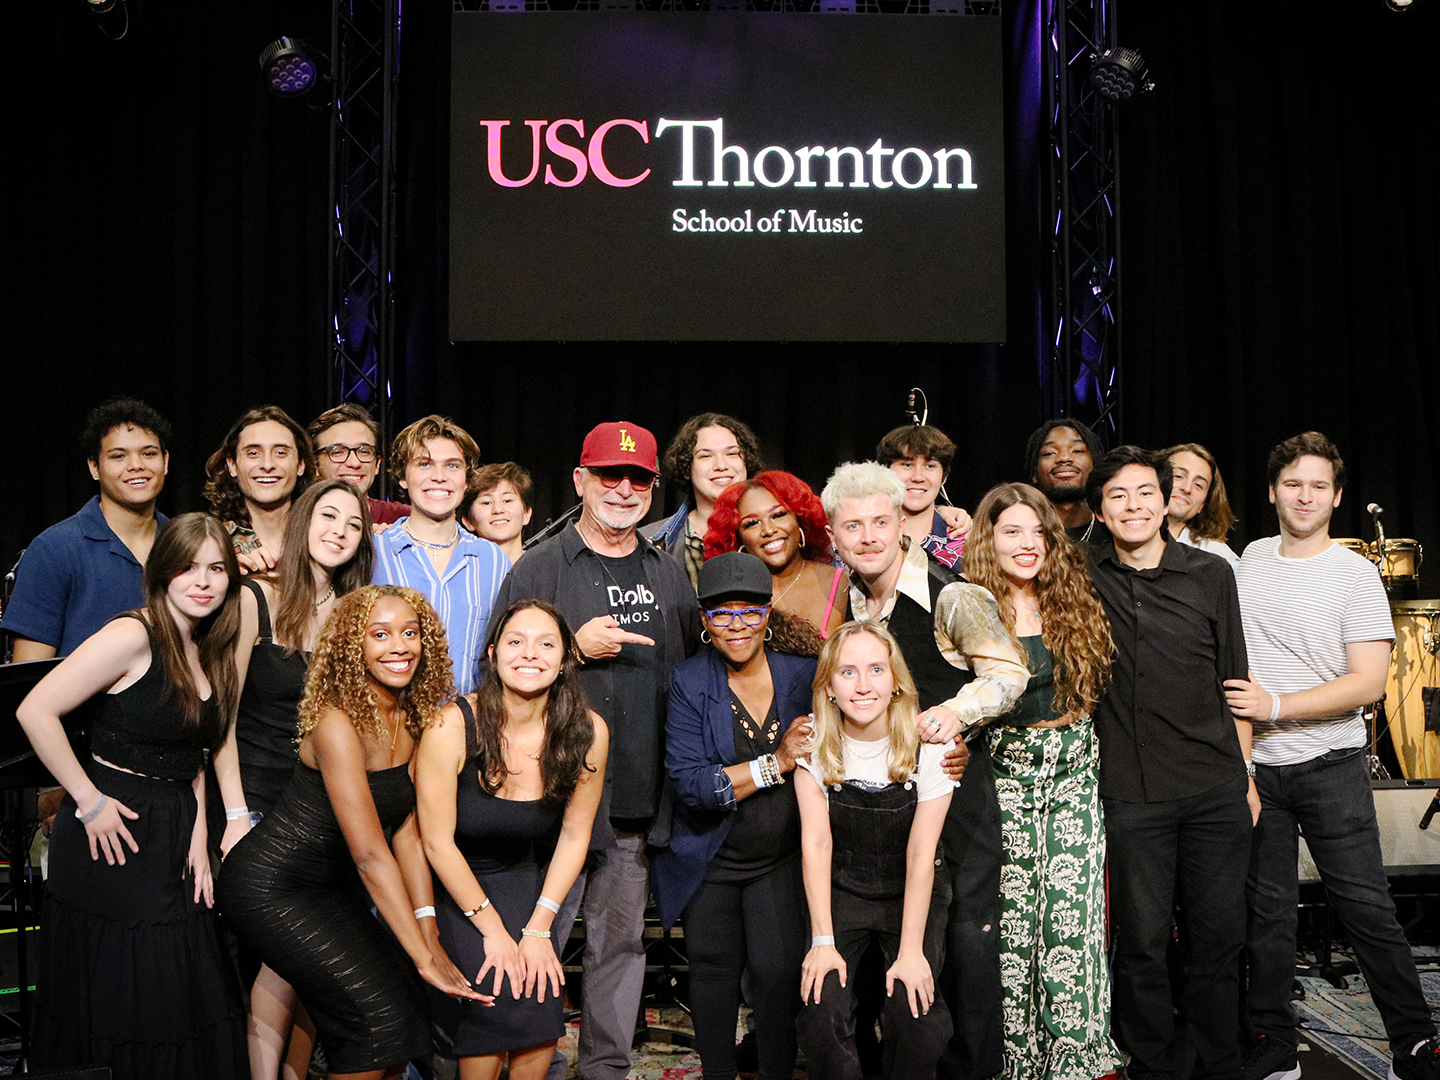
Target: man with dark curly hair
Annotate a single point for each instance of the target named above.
(709, 453)
(78, 574)
(266, 460)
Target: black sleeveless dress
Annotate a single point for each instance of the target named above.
(268, 714)
(506, 842)
(131, 974)
(291, 892)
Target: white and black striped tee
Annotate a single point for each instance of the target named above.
(1299, 615)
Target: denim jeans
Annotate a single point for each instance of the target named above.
(1199, 843)
(1329, 800)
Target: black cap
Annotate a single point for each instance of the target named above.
(736, 575)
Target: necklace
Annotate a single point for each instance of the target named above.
(395, 735)
(798, 575)
(432, 546)
(532, 757)
(1088, 530)
(328, 594)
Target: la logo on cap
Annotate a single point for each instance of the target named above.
(626, 442)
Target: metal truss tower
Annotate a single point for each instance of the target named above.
(1083, 310)
(365, 58)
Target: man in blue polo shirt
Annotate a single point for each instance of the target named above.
(80, 573)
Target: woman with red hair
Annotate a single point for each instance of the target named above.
(778, 518)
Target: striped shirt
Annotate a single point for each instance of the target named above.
(462, 598)
(1299, 616)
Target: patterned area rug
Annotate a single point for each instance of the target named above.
(1346, 1022)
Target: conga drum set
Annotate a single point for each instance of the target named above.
(1412, 689)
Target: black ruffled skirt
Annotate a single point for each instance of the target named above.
(131, 974)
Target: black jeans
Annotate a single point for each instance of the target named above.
(1204, 841)
(971, 978)
(1328, 799)
(761, 925)
(870, 830)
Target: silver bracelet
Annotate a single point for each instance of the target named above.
(94, 811)
(548, 904)
(235, 813)
(426, 912)
(822, 939)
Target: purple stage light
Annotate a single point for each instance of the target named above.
(287, 68)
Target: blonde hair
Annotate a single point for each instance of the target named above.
(337, 673)
(904, 713)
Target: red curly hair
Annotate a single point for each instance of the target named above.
(792, 493)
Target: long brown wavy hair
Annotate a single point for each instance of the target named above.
(826, 740)
(1215, 519)
(1073, 624)
(294, 581)
(337, 678)
(569, 733)
(171, 555)
(222, 490)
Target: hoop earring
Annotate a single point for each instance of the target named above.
(769, 632)
(802, 538)
(705, 636)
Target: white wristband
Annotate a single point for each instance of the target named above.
(426, 912)
(1274, 707)
(822, 939)
(756, 774)
(235, 813)
(548, 905)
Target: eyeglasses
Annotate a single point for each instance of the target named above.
(612, 478)
(339, 452)
(723, 618)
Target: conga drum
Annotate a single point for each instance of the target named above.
(1414, 667)
(1401, 561)
(1360, 547)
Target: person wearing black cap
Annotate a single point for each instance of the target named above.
(738, 720)
(634, 615)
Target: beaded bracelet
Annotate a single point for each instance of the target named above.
(527, 932)
(94, 812)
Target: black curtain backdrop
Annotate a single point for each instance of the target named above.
(1280, 246)
(165, 226)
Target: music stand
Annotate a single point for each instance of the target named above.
(21, 774)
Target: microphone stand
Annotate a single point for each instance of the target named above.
(554, 527)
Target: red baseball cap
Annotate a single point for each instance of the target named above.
(620, 443)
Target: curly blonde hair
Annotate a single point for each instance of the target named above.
(1073, 623)
(337, 677)
(828, 745)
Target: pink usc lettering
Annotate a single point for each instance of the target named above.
(581, 158)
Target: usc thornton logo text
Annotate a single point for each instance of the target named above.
(877, 166)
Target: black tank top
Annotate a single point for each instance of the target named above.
(144, 730)
(269, 713)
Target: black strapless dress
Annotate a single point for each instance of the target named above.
(291, 892)
(507, 844)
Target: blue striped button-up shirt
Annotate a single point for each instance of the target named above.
(463, 596)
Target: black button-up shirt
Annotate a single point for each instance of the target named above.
(1165, 729)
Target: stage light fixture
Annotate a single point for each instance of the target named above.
(112, 17)
(288, 69)
(1399, 5)
(1120, 74)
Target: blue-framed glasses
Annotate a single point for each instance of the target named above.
(722, 618)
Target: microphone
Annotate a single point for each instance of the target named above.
(1430, 811)
(1375, 508)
